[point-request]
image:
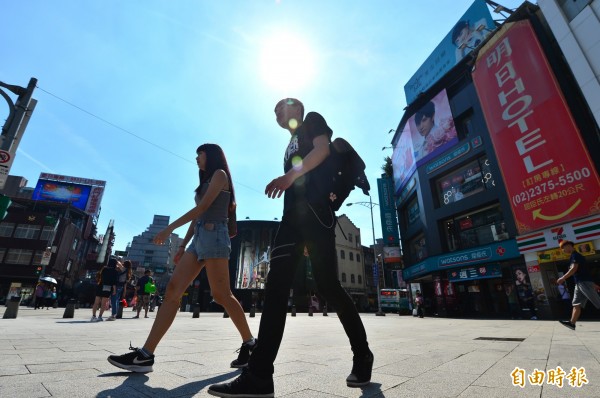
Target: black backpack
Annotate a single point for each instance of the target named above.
(338, 174)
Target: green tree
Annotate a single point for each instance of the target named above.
(387, 167)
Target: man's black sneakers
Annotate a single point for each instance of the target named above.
(362, 365)
(245, 385)
(244, 355)
(134, 361)
(568, 324)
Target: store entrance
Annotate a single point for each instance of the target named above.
(482, 298)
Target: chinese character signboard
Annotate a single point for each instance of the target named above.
(548, 173)
(470, 273)
(387, 208)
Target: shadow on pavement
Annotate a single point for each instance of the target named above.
(135, 386)
(373, 390)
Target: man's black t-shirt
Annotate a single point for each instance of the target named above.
(583, 273)
(300, 145)
(141, 283)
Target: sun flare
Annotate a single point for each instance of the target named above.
(286, 62)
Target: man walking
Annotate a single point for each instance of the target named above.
(143, 297)
(307, 221)
(585, 288)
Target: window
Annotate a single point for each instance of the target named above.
(343, 277)
(359, 279)
(149, 251)
(46, 233)
(465, 181)
(476, 228)
(37, 257)
(357, 240)
(352, 278)
(6, 229)
(2, 253)
(358, 258)
(27, 231)
(342, 254)
(412, 212)
(18, 256)
(351, 256)
(418, 248)
(349, 237)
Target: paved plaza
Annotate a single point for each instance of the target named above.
(44, 355)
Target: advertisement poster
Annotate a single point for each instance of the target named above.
(547, 170)
(403, 160)
(466, 35)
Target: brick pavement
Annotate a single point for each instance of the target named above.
(44, 355)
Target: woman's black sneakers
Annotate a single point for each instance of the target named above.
(134, 361)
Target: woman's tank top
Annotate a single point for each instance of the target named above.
(218, 210)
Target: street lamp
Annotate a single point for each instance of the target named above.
(370, 205)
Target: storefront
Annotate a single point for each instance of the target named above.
(546, 263)
(472, 283)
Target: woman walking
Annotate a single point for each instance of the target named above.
(210, 247)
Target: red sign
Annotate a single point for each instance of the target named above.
(546, 168)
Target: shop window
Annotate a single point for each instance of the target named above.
(19, 256)
(46, 233)
(412, 212)
(418, 248)
(473, 229)
(351, 256)
(470, 179)
(6, 229)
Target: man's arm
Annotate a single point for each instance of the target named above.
(569, 273)
(314, 158)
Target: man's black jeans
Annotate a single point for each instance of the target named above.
(313, 227)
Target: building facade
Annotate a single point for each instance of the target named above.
(350, 258)
(461, 219)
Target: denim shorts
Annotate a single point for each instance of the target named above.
(211, 240)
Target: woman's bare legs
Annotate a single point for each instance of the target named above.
(185, 272)
(103, 302)
(217, 270)
(96, 305)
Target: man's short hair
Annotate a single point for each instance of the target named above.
(565, 242)
(147, 272)
(291, 102)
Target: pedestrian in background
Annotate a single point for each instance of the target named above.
(585, 288)
(210, 248)
(106, 280)
(420, 304)
(143, 297)
(39, 295)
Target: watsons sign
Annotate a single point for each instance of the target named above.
(465, 257)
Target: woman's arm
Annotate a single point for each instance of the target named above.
(218, 182)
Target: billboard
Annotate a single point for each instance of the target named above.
(428, 133)
(466, 35)
(62, 192)
(546, 168)
(85, 193)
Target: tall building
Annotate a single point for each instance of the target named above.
(483, 188)
(144, 254)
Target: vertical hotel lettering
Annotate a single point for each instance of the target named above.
(517, 106)
(532, 130)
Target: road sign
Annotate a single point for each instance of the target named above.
(4, 156)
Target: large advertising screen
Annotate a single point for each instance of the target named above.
(54, 191)
(547, 171)
(467, 34)
(428, 133)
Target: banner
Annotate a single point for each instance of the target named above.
(387, 208)
(547, 171)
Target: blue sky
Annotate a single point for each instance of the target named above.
(182, 73)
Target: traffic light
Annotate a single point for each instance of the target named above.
(38, 270)
(4, 204)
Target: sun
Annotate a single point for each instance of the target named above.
(287, 62)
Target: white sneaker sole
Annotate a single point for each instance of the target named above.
(131, 368)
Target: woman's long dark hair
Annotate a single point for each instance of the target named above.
(215, 160)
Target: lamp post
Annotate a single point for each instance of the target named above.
(370, 205)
